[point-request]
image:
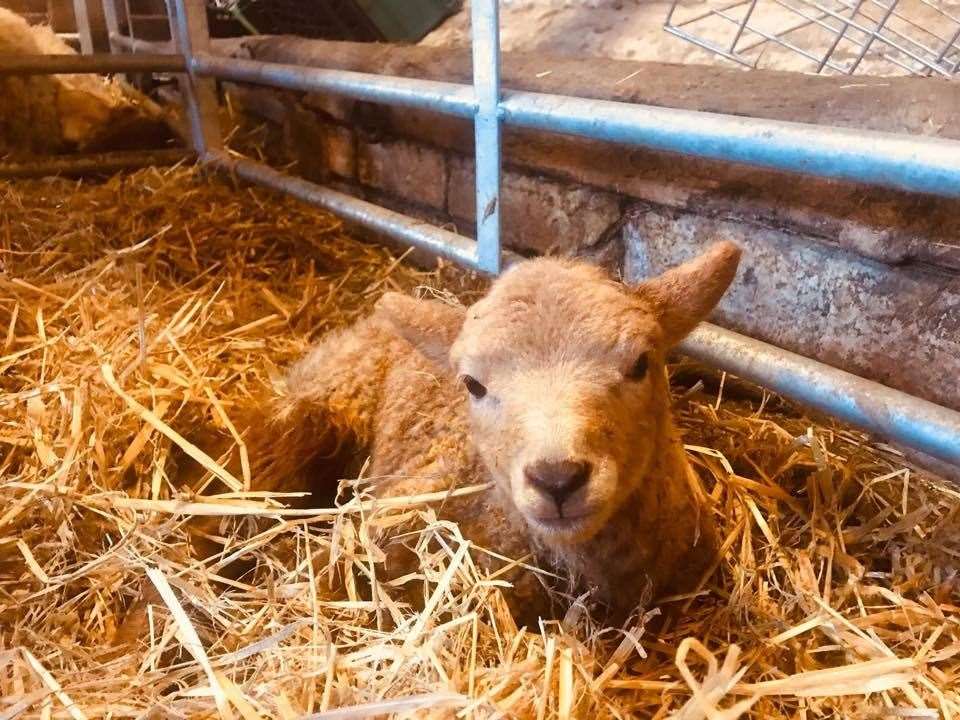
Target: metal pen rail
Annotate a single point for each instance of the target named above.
(97, 63)
(73, 165)
(918, 164)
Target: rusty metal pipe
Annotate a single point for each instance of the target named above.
(73, 165)
(101, 63)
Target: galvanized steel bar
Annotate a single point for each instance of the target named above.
(908, 162)
(112, 22)
(82, 19)
(188, 29)
(444, 97)
(486, 128)
(865, 404)
(418, 233)
(104, 63)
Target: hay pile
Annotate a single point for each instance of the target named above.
(140, 315)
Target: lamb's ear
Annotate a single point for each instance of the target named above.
(430, 326)
(685, 295)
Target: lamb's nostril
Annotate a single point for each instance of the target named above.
(560, 479)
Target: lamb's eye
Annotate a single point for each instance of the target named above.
(639, 369)
(474, 387)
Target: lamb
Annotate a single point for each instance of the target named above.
(552, 386)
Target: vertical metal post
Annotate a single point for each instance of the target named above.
(486, 85)
(82, 19)
(131, 31)
(189, 32)
(112, 23)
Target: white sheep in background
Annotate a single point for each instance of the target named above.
(53, 113)
(554, 387)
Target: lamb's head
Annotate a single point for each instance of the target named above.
(563, 369)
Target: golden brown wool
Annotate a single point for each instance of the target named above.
(551, 347)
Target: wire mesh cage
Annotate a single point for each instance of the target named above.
(916, 37)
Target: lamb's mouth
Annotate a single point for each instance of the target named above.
(563, 524)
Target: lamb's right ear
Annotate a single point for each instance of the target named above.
(430, 326)
(685, 295)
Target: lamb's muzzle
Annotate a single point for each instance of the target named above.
(558, 481)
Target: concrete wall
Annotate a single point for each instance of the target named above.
(862, 278)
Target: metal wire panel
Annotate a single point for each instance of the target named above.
(917, 37)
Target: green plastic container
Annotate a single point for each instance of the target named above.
(406, 20)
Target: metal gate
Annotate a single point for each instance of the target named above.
(912, 163)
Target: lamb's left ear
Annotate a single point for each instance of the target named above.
(685, 295)
(430, 326)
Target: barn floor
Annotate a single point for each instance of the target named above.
(141, 316)
(633, 30)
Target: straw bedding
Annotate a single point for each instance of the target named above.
(140, 319)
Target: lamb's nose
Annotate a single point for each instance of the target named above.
(559, 480)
